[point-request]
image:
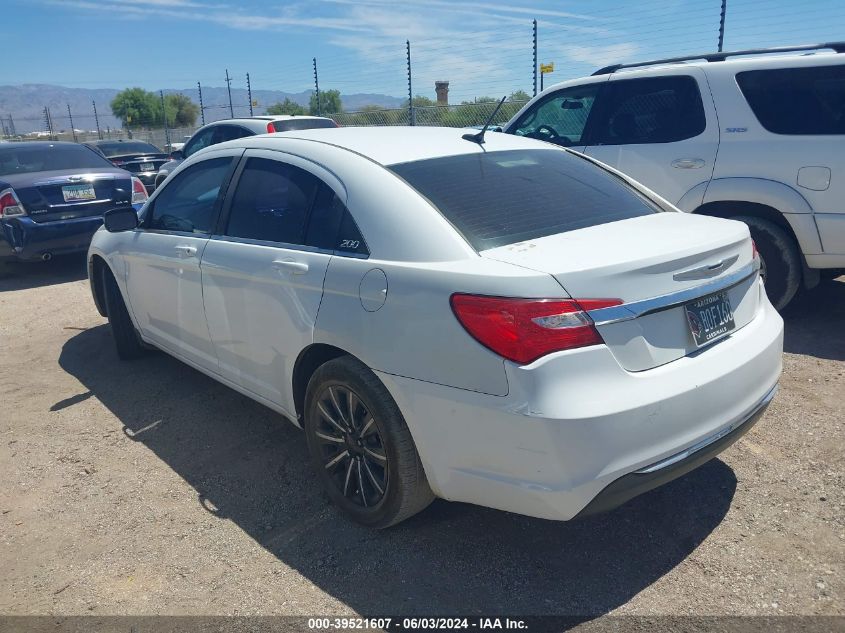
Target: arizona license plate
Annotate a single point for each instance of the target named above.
(147, 167)
(74, 193)
(710, 317)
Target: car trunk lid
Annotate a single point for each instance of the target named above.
(656, 265)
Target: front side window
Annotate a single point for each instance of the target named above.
(652, 110)
(271, 202)
(499, 198)
(187, 202)
(198, 141)
(797, 100)
(561, 118)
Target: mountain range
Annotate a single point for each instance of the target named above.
(25, 104)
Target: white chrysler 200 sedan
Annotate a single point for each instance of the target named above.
(505, 323)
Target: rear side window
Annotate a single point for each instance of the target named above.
(271, 202)
(797, 100)
(653, 110)
(499, 198)
(187, 202)
(302, 124)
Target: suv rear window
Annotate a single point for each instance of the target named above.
(302, 124)
(797, 100)
(499, 198)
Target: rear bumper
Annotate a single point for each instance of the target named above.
(574, 423)
(23, 239)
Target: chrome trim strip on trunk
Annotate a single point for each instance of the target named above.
(636, 309)
(707, 441)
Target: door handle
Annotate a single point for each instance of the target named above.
(185, 251)
(688, 163)
(291, 266)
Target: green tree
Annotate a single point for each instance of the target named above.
(136, 107)
(519, 95)
(286, 107)
(329, 103)
(181, 111)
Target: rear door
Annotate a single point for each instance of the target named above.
(263, 270)
(659, 129)
(163, 259)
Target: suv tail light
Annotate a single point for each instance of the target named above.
(10, 206)
(523, 330)
(139, 192)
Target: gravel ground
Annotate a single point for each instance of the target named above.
(147, 488)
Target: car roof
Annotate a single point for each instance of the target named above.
(39, 144)
(391, 145)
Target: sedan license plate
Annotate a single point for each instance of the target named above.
(710, 317)
(147, 167)
(75, 193)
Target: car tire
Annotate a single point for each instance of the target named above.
(126, 337)
(780, 259)
(381, 480)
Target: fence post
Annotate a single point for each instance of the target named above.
(72, 129)
(412, 116)
(249, 94)
(722, 24)
(48, 122)
(97, 120)
(12, 126)
(229, 88)
(164, 118)
(535, 57)
(202, 107)
(317, 86)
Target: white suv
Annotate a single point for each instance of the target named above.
(759, 139)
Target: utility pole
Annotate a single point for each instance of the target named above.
(249, 94)
(12, 126)
(97, 120)
(317, 86)
(164, 118)
(412, 118)
(535, 58)
(202, 107)
(229, 88)
(72, 129)
(48, 122)
(722, 24)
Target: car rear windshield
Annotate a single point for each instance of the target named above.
(797, 100)
(499, 198)
(123, 149)
(302, 124)
(27, 160)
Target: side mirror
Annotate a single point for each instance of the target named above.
(120, 219)
(177, 154)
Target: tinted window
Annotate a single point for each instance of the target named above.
(223, 133)
(123, 148)
(271, 202)
(797, 100)
(187, 202)
(198, 141)
(499, 198)
(656, 110)
(302, 124)
(26, 160)
(331, 227)
(560, 118)
(349, 238)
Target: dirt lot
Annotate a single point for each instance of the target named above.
(147, 488)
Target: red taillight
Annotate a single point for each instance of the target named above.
(523, 330)
(10, 206)
(139, 192)
(270, 128)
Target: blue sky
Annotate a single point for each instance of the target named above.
(481, 47)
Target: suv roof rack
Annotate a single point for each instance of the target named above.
(838, 47)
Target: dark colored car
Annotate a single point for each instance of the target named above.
(53, 196)
(137, 157)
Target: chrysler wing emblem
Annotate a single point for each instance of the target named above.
(706, 271)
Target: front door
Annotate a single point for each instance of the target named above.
(163, 261)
